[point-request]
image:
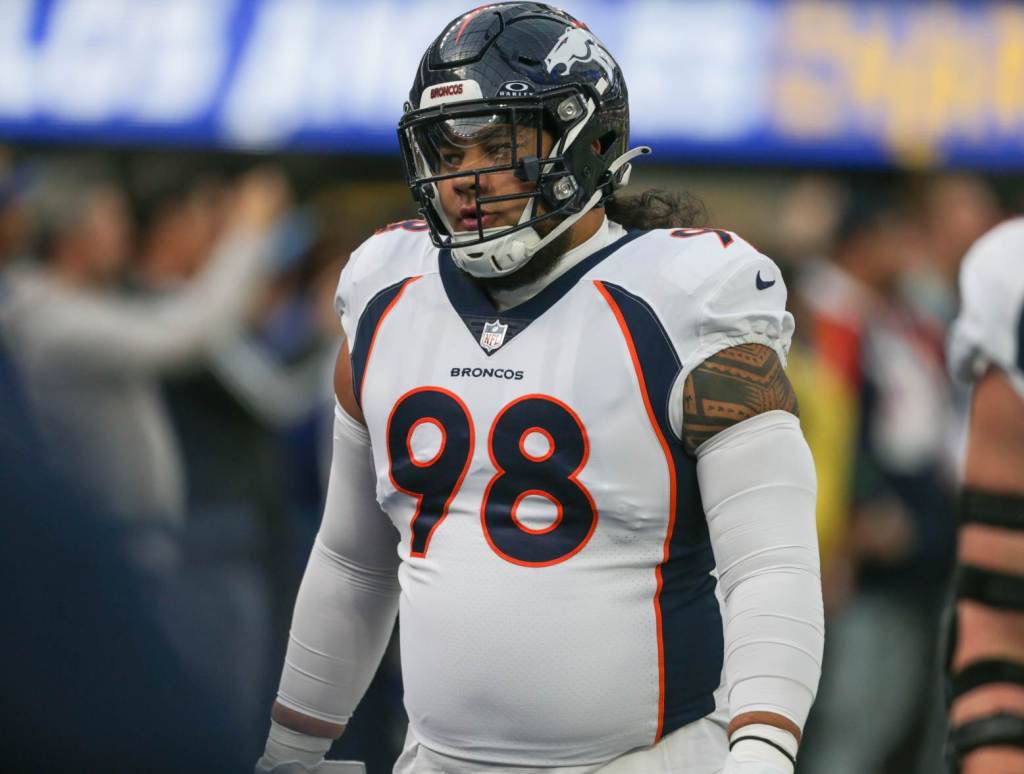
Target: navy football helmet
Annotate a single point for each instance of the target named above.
(499, 75)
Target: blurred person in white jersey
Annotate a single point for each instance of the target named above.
(986, 643)
(565, 450)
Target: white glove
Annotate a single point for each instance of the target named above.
(735, 766)
(324, 767)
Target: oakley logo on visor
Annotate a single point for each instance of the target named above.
(455, 91)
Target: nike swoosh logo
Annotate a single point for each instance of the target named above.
(761, 284)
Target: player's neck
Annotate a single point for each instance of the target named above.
(596, 233)
(585, 228)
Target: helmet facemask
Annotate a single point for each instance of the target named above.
(505, 136)
(516, 64)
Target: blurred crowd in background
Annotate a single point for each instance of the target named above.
(168, 336)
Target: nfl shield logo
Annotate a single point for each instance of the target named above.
(493, 335)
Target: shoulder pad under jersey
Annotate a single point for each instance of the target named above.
(394, 253)
(710, 289)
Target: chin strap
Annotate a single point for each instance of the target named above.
(618, 174)
(520, 248)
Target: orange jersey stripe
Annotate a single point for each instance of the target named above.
(672, 495)
(376, 330)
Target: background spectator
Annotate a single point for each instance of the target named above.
(889, 570)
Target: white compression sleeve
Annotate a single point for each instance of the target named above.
(758, 486)
(348, 599)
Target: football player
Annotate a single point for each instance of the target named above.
(987, 647)
(584, 437)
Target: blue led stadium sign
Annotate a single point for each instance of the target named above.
(732, 81)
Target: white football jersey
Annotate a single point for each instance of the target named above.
(558, 604)
(990, 328)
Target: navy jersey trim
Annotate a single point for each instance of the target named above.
(475, 307)
(691, 638)
(366, 330)
(1020, 339)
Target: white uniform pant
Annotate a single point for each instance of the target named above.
(697, 748)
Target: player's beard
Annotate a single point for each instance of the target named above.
(542, 262)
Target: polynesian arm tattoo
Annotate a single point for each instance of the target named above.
(730, 386)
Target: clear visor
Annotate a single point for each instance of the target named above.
(466, 144)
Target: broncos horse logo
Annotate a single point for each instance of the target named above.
(578, 45)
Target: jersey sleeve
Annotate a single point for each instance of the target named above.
(347, 301)
(394, 253)
(748, 306)
(990, 326)
(739, 298)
